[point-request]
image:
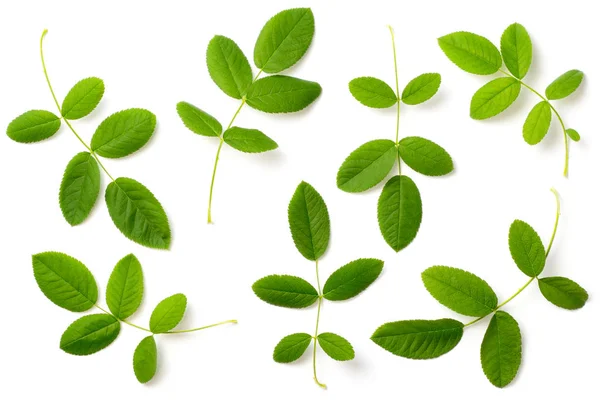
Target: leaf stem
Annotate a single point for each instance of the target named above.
(229, 321)
(557, 217)
(122, 320)
(212, 182)
(320, 300)
(397, 98)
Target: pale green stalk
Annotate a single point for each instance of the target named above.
(317, 328)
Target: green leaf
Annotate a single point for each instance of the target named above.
(516, 50)
(460, 291)
(563, 292)
(79, 188)
(33, 126)
(419, 339)
(291, 347)
(564, 85)
(351, 279)
(65, 281)
(526, 248)
(248, 140)
(471, 52)
(421, 88)
(144, 359)
(197, 120)
(168, 313)
(336, 346)
(501, 349)
(574, 135)
(282, 94)
(425, 156)
(90, 334)
(285, 291)
(537, 123)
(228, 66)
(137, 213)
(309, 222)
(494, 97)
(366, 166)
(284, 39)
(372, 92)
(83, 98)
(399, 212)
(123, 133)
(125, 287)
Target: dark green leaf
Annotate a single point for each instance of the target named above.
(123, 133)
(425, 156)
(564, 85)
(421, 89)
(366, 166)
(372, 92)
(526, 248)
(248, 140)
(79, 188)
(83, 98)
(563, 292)
(285, 291)
(90, 334)
(197, 120)
(33, 126)
(168, 313)
(351, 279)
(144, 359)
(336, 346)
(574, 135)
(291, 347)
(228, 66)
(471, 52)
(516, 50)
(501, 349)
(282, 94)
(494, 97)
(125, 287)
(537, 123)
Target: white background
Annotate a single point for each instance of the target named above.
(152, 55)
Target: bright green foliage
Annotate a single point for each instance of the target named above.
(537, 123)
(419, 339)
(125, 287)
(228, 66)
(574, 135)
(336, 346)
(351, 279)
(494, 97)
(123, 133)
(83, 98)
(471, 52)
(421, 88)
(399, 212)
(198, 121)
(33, 126)
(248, 140)
(79, 188)
(526, 248)
(90, 334)
(144, 359)
(284, 39)
(285, 291)
(372, 92)
(309, 222)
(460, 291)
(425, 156)
(564, 85)
(291, 347)
(65, 281)
(517, 50)
(501, 349)
(366, 166)
(168, 313)
(282, 94)
(563, 292)
(137, 213)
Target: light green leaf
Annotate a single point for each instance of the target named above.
(285, 291)
(168, 313)
(123, 133)
(421, 88)
(197, 120)
(564, 85)
(309, 222)
(79, 188)
(336, 346)
(516, 50)
(563, 292)
(351, 279)
(90, 334)
(526, 248)
(291, 347)
(494, 97)
(501, 349)
(419, 339)
(33, 126)
(537, 123)
(137, 213)
(228, 66)
(471, 52)
(282, 94)
(425, 156)
(574, 135)
(366, 166)
(248, 140)
(399, 212)
(125, 287)
(144, 359)
(284, 39)
(460, 291)
(83, 98)
(372, 92)
(65, 281)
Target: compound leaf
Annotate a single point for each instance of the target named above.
(336, 346)
(537, 123)
(79, 188)
(228, 66)
(291, 347)
(471, 52)
(285, 291)
(90, 334)
(563, 292)
(425, 156)
(248, 140)
(421, 88)
(517, 50)
(33, 126)
(168, 313)
(197, 120)
(351, 279)
(366, 166)
(123, 133)
(564, 85)
(526, 248)
(494, 97)
(144, 359)
(282, 94)
(372, 92)
(125, 287)
(83, 98)
(501, 349)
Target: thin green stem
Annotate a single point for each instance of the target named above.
(397, 87)
(557, 217)
(212, 181)
(44, 66)
(122, 320)
(320, 300)
(229, 321)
